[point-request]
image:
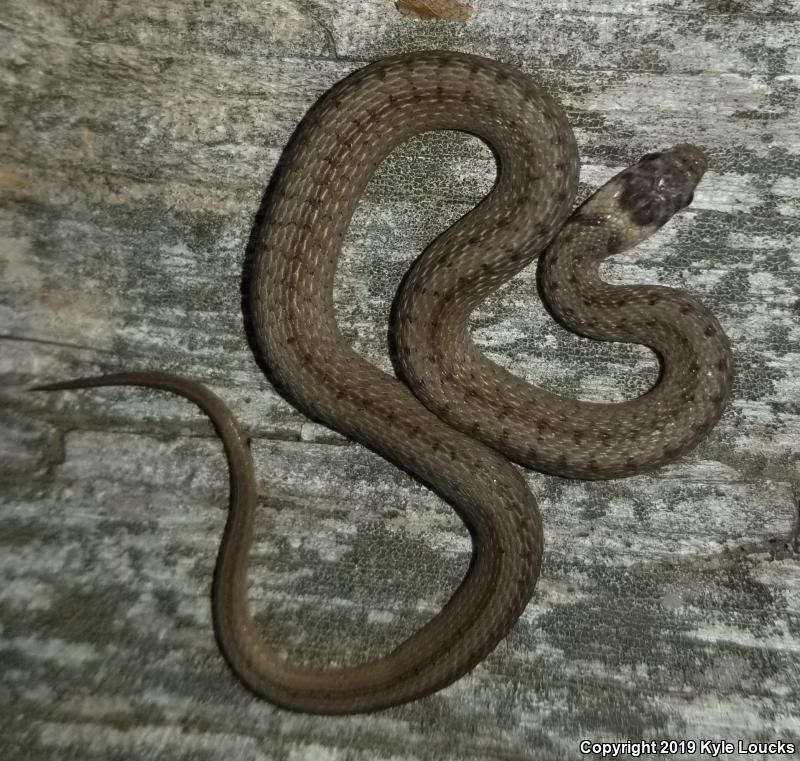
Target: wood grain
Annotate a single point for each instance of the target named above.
(137, 144)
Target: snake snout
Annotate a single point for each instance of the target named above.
(683, 168)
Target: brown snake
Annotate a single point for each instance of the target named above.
(468, 415)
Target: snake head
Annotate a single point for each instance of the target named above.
(639, 200)
(661, 184)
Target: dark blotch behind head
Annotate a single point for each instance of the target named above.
(660, 184)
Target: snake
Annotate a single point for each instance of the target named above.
(451, 417)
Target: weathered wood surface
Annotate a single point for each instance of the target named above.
(138, 139)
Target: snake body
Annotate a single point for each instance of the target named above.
(466, 416)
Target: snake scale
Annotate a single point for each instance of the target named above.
(467, 417)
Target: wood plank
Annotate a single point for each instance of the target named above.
(138, 140)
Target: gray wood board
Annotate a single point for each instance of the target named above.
(137, 142)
